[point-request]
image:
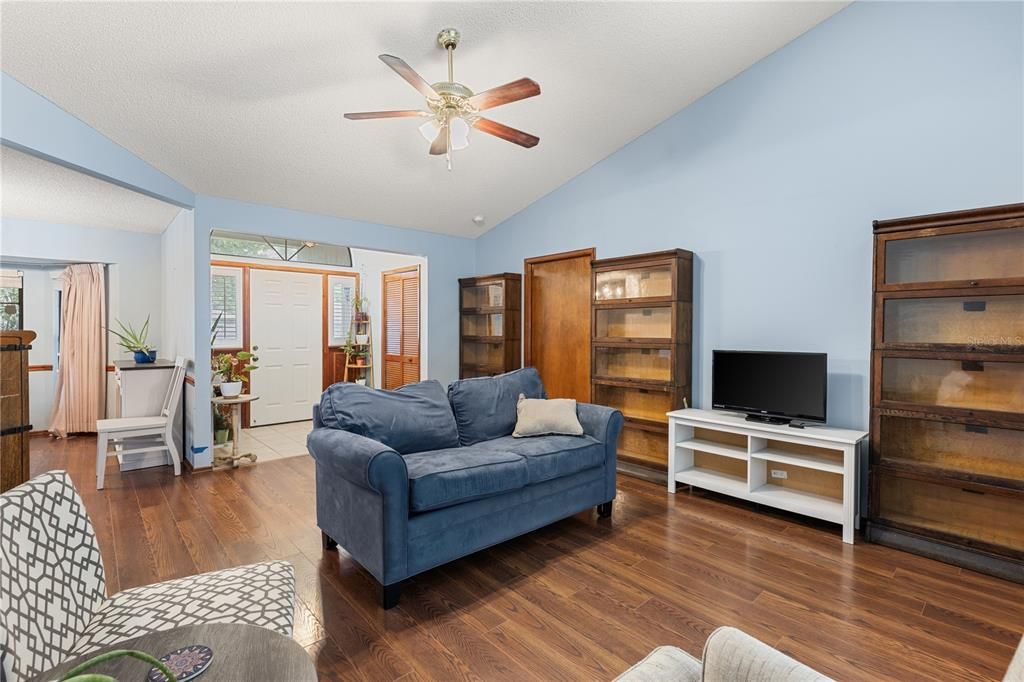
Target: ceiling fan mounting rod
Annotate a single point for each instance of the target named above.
(448, 38)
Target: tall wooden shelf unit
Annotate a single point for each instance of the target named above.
(947, 436)
(641, 329)
(490, 340)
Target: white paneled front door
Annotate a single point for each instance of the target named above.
(286, 334)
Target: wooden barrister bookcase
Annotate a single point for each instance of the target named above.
(490, 340)
(641, 327)
(14, 407)
(947, 410)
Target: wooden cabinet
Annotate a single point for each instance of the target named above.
(641, 346)
(14, 406)
(947, 437)
(490, 341)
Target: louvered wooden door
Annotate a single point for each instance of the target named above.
(401, 326)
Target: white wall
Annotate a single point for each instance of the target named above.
(177, 277)
(133, 289)
(371, 265)
(39, 299)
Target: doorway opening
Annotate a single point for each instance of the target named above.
(311, 315)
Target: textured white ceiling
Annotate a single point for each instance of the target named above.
(33, 189)
(244, 100)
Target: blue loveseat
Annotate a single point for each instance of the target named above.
(411, 479)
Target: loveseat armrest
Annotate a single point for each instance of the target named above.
(359, 460)
(600, 422)
(603, 424)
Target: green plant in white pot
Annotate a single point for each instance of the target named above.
(233, 371)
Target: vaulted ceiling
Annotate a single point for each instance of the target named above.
(33, 189)
(244, 100)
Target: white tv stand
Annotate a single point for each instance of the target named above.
(722, 452)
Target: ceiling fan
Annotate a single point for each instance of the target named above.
(452, 108)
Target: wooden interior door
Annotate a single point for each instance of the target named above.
(556, 330)
(401, 327)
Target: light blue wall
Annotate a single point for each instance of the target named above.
(448, 258)
(773, 179)
(34, 124)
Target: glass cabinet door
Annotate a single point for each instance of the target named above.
(997, 386)
(633, 323)
(641, 364)
(966, 448)
(483, 296)
(483, 355)
(964, 256)
(484, 324)
(633, 283)
(990, 321)
(985, 517)
(634, 403)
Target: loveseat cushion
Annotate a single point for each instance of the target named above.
(260, 594)
(549, 457)
(442, 478)
(413, 418)
(485, 407)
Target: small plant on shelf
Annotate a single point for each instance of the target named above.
(361, 306)
(135, 341)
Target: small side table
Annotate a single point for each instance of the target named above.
(240, 652)
(236, 403)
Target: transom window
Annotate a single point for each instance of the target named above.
(277, 248)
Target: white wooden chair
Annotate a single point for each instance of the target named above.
(148, 434)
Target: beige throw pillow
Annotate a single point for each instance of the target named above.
(545, 417)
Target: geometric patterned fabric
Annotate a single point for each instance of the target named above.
(258, 594)
(51, 574)
(53, 603)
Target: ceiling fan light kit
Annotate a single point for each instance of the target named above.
(452, 108)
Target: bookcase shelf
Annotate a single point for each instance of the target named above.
(489, 323)
(641, 348)
(947, 402)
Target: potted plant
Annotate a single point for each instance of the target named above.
(134, 341)
(233, 370)
(221, 427)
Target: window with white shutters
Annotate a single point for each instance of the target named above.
(226, 307)
(342, 297)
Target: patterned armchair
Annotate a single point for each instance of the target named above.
(53, 596)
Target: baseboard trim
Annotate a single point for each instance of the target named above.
(642, 472)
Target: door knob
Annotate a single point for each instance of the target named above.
(255, 347)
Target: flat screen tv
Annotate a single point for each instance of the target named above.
(769, 386)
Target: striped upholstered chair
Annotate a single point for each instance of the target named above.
(53, 596)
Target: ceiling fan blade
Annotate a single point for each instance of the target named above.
(506, 133)
(406, 72)
(503, 94)
(440, 144)
(361, 115)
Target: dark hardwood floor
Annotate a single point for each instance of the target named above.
(582, 599)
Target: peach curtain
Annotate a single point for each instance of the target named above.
(80, 394)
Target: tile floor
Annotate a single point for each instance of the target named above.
(276, 441)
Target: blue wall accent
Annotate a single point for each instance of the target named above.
(773, 179)
(31, 123)
(448, 258)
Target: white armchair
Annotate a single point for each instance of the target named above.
(53, 595)
(730, 655)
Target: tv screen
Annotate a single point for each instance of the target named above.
(768, 384)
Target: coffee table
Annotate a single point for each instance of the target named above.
(240, 652)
